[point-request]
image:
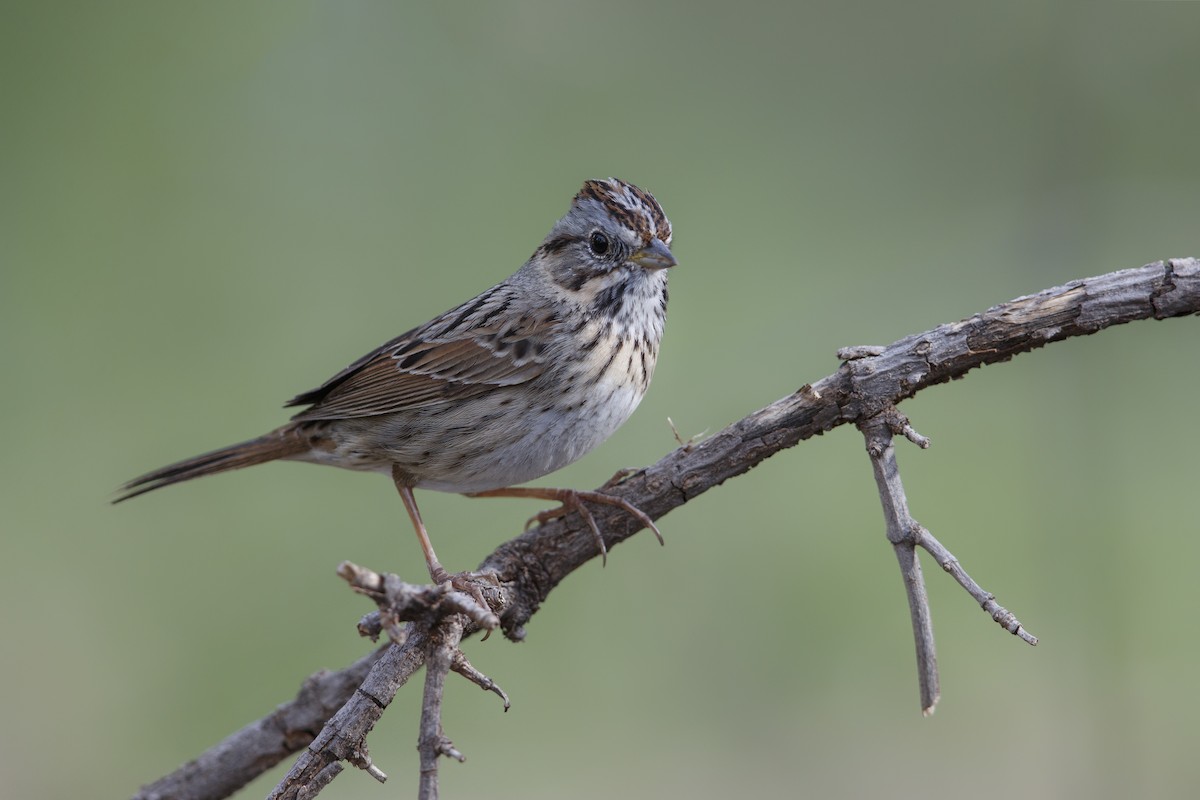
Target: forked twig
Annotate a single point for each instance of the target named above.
(906, 535)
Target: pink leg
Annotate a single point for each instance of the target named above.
(436, 571)
(462, 581)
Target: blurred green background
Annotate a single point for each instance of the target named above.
(209, 207)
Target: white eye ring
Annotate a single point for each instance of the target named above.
(599, 243)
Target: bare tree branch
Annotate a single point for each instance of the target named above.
(437, 616)
(878, 433)
(906, 535)
(432, 743)
(344, 736)
(869, 382)
(243, 756)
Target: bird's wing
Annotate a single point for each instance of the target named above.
(470, 350)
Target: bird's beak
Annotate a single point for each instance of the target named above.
(655, 255)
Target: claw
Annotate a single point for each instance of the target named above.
(572, 500)
(620, 476)
(468, 584)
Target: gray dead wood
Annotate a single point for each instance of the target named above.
(436, 617)
(906, 535)
(870, 382)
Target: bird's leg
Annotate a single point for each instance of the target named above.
(437, 572)
(572, 500)
(462, 581)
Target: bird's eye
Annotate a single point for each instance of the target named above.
(598, 243)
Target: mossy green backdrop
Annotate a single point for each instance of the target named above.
(207, 207)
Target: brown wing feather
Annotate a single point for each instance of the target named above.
(449, 358)
(321, 392)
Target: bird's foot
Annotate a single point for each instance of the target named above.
(573, 500)
(469, 583)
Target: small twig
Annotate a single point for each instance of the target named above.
(371, 625)
(685, 445)
(437, 615)
(400, 601)
(906, 535)
(432, 742)
(343, 738)
(903, 427)
(362, 760)
(878, 433)
(946, 560)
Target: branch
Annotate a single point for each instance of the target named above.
(433, 743)
(900, 526)
(437, 617)
(532, 564)
(871, 381)
(906, 535)
(244, 755)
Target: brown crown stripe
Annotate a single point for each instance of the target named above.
(615, 201)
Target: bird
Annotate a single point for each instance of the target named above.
(515, 383)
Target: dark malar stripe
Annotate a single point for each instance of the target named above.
(609, 302)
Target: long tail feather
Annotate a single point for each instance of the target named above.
(274, 445)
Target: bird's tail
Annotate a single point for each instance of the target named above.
(275, 445)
